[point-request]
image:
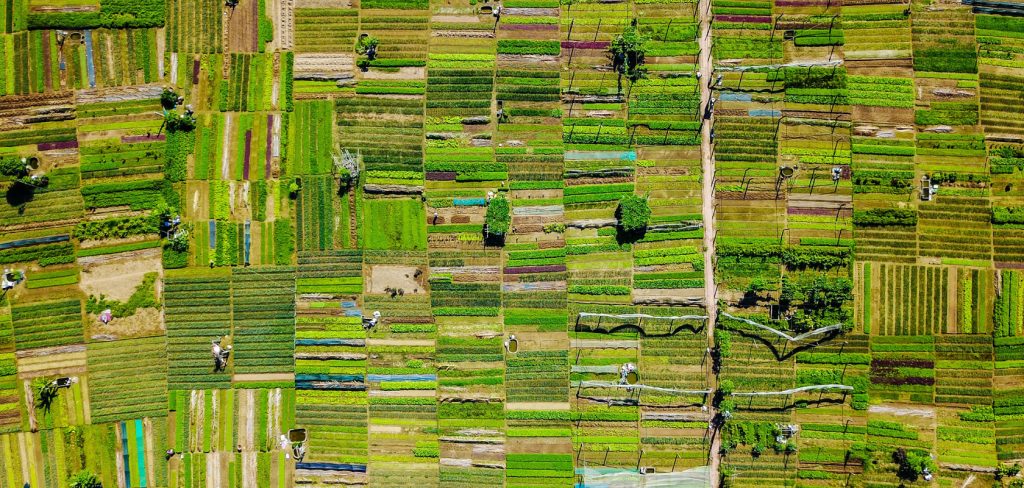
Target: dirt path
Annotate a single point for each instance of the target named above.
(708, 213)
(225, 162)
(161, 47)
(174, 69)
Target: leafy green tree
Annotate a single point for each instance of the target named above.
(912, 463)
(168, 99)
(498, 217)
(367, 46)
(628, 52)
(46, 393)
(12, 167)
(177, 122)
(633, 213)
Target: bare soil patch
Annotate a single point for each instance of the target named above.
(144, 322)
(242, 28)
(397, 277)
(116, 276)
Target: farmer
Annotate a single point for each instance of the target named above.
(220, 355)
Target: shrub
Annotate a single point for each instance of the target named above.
(498, 217)
(633, 213)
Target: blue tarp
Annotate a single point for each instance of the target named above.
(734, 97)
(328, 377)
(248, 241)
(124, 450)
(310, 385)
(600, 155)
(34, 241)
(764, 113)
(358, 468)
(333, 382)
(330, 342)
(469, 202)
(401, 377)
(89, 65)
(140, 452)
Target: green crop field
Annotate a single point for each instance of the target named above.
(511, 243)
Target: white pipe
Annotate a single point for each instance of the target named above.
(795, 390)
(784, 335)
(641, 316)
(609, 384)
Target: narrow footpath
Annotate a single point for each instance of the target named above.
(708, 213)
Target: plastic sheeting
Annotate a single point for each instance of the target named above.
(624, 478)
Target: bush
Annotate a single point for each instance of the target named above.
(633, 213)
(498, 216)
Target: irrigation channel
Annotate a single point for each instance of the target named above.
(708, 213)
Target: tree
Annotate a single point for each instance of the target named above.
(179, 241)
(633, 213)
(723, 343)
(46, 393)
(84, 479)
(498, 217)
(726, 387)
(177, 122)
(1007, 471)
(367, 46)
(168, 99)
(912, 463)
(628, 51)
(13, 167)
